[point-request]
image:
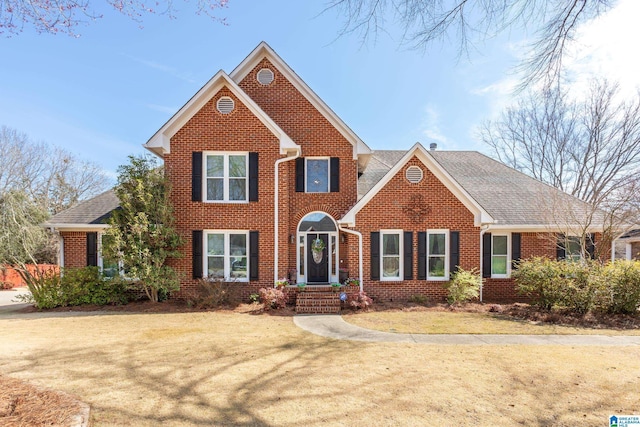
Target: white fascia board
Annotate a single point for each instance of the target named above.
(263, 50)
(481, 217)
(75, 227)
(161, 141)
(541, 228)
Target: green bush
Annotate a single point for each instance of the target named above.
(213, 293)
(622, 292)
(539, 279)
(76, 286)
(464, 286)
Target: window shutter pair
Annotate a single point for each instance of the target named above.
(486, 252)
(334, 174)
(454, 253)
(196, 177)
(92, 249)
(407, 254)
(197, 242)
(561, 252)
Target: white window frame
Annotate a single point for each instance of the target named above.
(508, 255)
(567, 257)
(446, 254)
(306, 171)
(227, 254)
(225, 176)
(101, 258)
(400, 276)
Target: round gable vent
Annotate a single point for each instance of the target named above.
(414, 174)
(225, 105)
(265, 76)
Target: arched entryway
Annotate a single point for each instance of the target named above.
(317, 254)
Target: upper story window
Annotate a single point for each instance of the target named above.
(317, 179)
(500, 265)
(226, 177)
(391, 257)
(437, 254)
(318, 174)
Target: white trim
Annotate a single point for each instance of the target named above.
(332, 261)
(61, 250)
(446, 254)
(400, 234)
(360, 254)
(160, 142)
(227, 254)
(508, 255)
(276, 213)
(306, 170)
(542, 228)
(263, 50)
(225, 175)
(480, 215)
(75, 227)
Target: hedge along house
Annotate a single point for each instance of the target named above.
(268, 182)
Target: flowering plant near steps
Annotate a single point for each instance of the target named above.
(274, 298)
(359, 300)
(301, 285)
(335, 285)
(282, 282)
(352, 282)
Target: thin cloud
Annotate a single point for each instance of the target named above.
(431, 125)
(163, 68)
(161, 108)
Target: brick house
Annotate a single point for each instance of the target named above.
(268, 182)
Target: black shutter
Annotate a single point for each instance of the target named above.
(253, 177)
(454, 251)
(375, 255)
(561, 253)
(253, 255)
(335, 174)
(486, 255)
(92, 249)
(196, 176)
(515, 250)
(408, 255)
(196, 237)
(300, 175)
(422, 255)
(591, 245)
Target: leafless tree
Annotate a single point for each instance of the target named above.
(50, 176)
(588, 148)
(470, 21)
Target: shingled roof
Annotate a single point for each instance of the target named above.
(509, 196)
(94, 211)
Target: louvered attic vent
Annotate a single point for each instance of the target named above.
(265, 76)
(225, 105)
(414, 174)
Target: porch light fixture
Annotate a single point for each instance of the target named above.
(292, 238)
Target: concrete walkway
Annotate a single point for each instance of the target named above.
(8, 302)
(334, 326)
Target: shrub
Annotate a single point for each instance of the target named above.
(359, 300)
(215, 292)
(44, 288)
(538, 278)
(464, 286)
(580, 283)
(622, 293)
(419, 299)
(273, 298)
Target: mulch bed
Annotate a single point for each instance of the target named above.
(23, 404)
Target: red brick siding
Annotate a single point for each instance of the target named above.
(75, 248)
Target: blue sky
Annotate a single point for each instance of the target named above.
(104, 94)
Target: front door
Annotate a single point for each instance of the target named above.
(318, 258)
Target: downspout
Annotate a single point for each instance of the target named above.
(483, 229)
(357, 233)
(276, 214)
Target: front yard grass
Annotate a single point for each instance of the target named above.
(449, 322)
(225, 368)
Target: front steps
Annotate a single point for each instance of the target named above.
(318, 300)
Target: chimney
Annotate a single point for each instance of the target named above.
(433, 146)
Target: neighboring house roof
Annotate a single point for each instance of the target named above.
(263, 50)
(631, 236)
(160, 142)
(510, 197)
(88, 214)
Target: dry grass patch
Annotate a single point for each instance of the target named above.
(224, 368)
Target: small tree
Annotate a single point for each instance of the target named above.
(142, 231)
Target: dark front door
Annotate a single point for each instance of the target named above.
(318, 258)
